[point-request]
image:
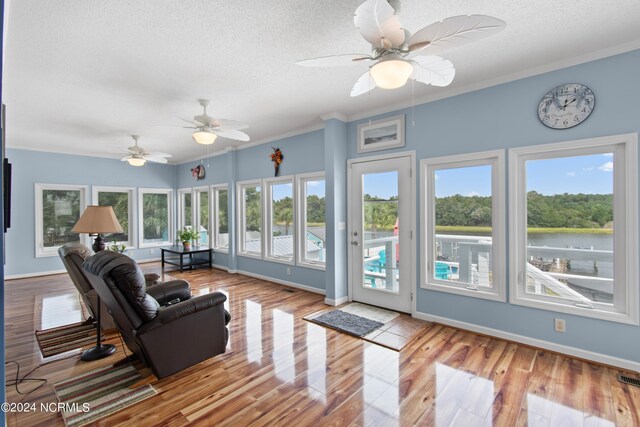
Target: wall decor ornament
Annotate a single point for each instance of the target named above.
(276, 158)
(198, 172)
(381, 134)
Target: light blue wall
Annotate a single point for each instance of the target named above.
(302, 153)
(505, 116)
(31, 167)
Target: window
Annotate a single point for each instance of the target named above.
(311, 220)
(185, 213)
(463, 213)
(249, 219)
(58, 208)
(279, 214)
(122, 201)
(220, 220)
(574, 227)
(202, 207)
(155, 217)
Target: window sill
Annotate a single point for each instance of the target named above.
(317, 266)
(155, 245)
(593, 313)
(250, 255)
(458, 290)
(221, 250)
(280, 260)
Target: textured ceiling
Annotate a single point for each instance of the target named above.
(81, 75)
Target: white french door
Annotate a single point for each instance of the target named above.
(380, 232)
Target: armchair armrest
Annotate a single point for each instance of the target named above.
(182, 309)
(170, 290)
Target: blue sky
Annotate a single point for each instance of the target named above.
(281, 191)
(590, 174)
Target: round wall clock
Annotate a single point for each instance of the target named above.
(566, 106)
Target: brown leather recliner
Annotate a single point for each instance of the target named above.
(73, 255)
(168, 339)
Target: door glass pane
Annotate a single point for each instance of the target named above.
(222, 223)
(282, 220)
(203, 217)
(463, 216)
(252, 220)
(155, 217)
(380, 238)
(120, 202)
(186, 206)
(315, 248)
(60, 212)
(570, 229)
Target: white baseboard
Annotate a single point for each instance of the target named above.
(336, 302)
(534, 342)
(36, 274)
(281, 282)
(221, 267)
(146, 261)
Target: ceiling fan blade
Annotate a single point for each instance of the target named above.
(364, 84)
(155, 159)
(228, 124)
(433, 70)
(335, 60)
(190, 121)
(157, 154)
(379, 25)
(124, 159)
(453, 32)
(232, 134)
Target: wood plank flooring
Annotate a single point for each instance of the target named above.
(280, 369)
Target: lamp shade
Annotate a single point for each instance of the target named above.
(391, 73)
(98, 219)
(135, 161)
(203, 137)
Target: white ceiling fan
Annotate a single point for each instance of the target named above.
(208, 128)
(398, 55)
(138, 156)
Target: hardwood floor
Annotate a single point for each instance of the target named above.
(280, 369)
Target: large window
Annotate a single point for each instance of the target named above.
(250, 219)
(202, 207)
(185, 211)
(463, 214)
(122, 201)
(279, 213)
(154, 213)
(220, 199)
(574, 227)
(311, 220)
(58, 208)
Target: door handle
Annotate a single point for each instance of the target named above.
(354, 243)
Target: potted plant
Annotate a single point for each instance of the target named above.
(186, 235)
(117, 247)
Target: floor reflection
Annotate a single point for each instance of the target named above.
(317, 359)
(380, 391)
(254, 330)
(461, 395)
(541, 411)
(283, 356)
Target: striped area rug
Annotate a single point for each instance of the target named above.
(98, 393)
(64, 338)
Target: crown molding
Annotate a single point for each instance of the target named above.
(335, 115)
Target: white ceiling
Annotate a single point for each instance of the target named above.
(81, 75)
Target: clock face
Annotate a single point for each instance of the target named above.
(566, 106)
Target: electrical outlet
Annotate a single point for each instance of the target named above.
(560, 325)
(152, 251)
(289, 271)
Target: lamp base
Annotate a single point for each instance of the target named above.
(98, 352)
(98, 244)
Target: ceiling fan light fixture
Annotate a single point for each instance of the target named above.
(135, 161)
(203, 137)
(391, 73)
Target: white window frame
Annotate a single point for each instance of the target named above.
(301, 218)
(171, 233)
(195, 210)
(625, 184)
(40, 250)
(131, 244)
(267, 215)
(240, 219)
(428, 168)
(215, 217)
(181, 217)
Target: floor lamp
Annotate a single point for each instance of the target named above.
(94, 221)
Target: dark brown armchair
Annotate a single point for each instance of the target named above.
(168, 339)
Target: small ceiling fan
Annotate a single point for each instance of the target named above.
(138, 156)
(208, 128)
(398, 55)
